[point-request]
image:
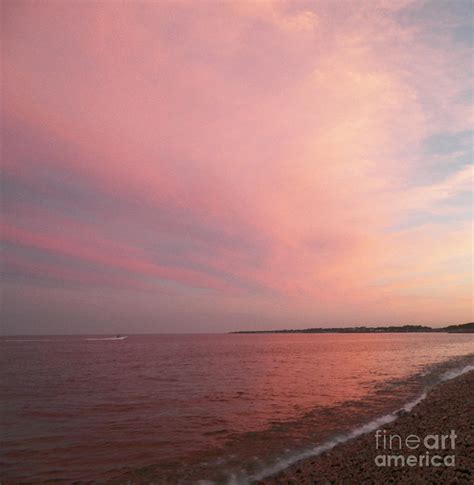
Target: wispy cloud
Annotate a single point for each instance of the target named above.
(244, 156)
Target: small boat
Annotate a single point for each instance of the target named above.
(120, 337)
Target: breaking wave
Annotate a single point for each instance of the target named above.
(372, 425)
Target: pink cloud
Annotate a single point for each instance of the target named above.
(107, 254)
(275, 145)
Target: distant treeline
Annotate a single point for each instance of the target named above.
(464, 328)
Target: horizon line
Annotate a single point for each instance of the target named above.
(274, 330)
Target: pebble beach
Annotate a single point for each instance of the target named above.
(448, 410)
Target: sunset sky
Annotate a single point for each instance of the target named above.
(183, 166)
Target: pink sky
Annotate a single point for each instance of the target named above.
(185, 166)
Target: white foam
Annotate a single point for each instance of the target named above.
(373, 425)
(410, 405)
(282, 464)
(452, 374)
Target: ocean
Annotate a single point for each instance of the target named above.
(204, 408)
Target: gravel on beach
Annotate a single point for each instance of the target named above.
(449, 406)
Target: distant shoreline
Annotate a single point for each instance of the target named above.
(463, 328)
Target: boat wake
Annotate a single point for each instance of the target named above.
(122, 337)
(21, 340)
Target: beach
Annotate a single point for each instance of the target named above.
(447, 410)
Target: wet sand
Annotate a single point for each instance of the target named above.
(449, 406)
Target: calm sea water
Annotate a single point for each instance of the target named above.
(200, 407)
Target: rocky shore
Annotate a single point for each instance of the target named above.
(435, 441)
